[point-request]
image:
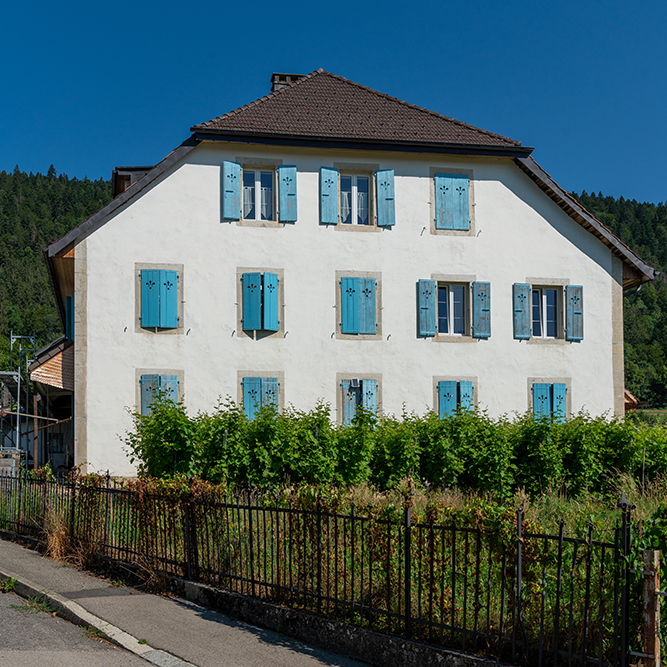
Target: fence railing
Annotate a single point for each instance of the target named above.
(506, 593)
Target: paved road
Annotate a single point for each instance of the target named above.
(30, 639)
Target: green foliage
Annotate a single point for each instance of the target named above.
(8, 585)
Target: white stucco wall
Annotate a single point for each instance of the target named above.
(521, 235)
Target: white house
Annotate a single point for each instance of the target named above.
(330, 242)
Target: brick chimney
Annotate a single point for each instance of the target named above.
(279, 81)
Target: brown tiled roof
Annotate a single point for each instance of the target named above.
(324, 105)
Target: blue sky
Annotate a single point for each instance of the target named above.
(89, 86)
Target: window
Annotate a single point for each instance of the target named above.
(444, 309)
(260, 298)
(152, 385)
(539, 313)
(452, 202)
(454, 395)
(159, 298)
(259, 392)
(356, 393)
(362, 199)
(550, 400)
(358, 305)
(258, 194)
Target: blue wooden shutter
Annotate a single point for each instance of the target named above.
(287, 193)
(169, 385)
(349, 301)
(252, 301)
(426, 305)
(252, 396)
(541, 399)
(148, 384)
(150, 298)
(169, 299)
(559, 407)
(231, 191)
(447, 390)
(69, 317)
(328, 196)
(369, 395)
(271, 319)
(367, 309)
(349, 401)
(270, 392)
(384, 183)
(465, 395)
(574, 312)
(481, 310)
(452, 205)
(521, 304)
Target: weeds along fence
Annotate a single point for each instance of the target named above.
(502, 589)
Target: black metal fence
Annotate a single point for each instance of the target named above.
(503, 592)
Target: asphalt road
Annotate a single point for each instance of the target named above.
(31, 638)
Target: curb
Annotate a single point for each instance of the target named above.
(75, 613)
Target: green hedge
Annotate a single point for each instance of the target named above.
(468, 450)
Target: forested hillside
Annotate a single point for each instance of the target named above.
(36, 209)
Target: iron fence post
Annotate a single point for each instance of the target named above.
(626, 509)
(319, 556)
(251, 546)
(408, 571)
(72, 512)
(519, 576)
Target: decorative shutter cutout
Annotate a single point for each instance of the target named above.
(384, 183)
(148, 385)
(169, 384)
(465, 395)
(447, 390)
(452, 202)
(481, 310)
(367, 302)
(231, 191)
(287, 194)
(541, 399)
(521, 303)
(328, 196)
(252, 396)
(169, 299)
(349, 298)
(559, 392)
(252, 301)
(426, 292)
(270, 392)
(369, 391)
(271, 320)
(574, 312)
(150, 298)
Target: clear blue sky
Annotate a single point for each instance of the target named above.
(88, 86)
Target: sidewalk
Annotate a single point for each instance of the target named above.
(168, 632)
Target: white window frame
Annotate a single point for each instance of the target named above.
(450, 308)
(257, 188)
(541, 291)
(354, 211)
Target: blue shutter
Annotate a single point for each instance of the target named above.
(367, 310)
(541, 399)
(447, 390)
(287, 193)
(349, 301)
(452, 205)
(559, 401)
(169, 385)
(169, 299)
(328, 196)
(270, 392)
(521, 304)
(69, 317)
(369, 395)
(271, 320)
(465, 395)
(426, 304)
(150, 298)
(252, 396)
(148, 384)
(252, 301)
(384, 183)
(349, 401)
(481, 310)
(231, 191)
(574, 312)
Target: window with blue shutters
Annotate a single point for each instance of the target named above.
(452, 202)
(548, 312)
(154, 385)
(357, 393)
(358, 306)
(260, 301)
(454, 395)
(259, 392)
(160, 298)
(549, 400)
